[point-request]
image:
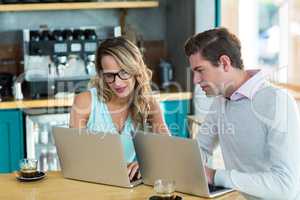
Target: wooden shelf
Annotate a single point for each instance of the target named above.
(77, 6)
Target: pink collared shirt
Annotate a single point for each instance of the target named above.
(251, 86)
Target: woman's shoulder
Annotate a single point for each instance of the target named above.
(89, 99)
(154, 106)
(85, 97)
(153, 103)
(83, 100)
(81, 109)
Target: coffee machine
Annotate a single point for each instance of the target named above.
(59, 60)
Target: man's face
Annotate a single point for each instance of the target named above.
(208, 76)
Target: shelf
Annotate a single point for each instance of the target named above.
(77, 6)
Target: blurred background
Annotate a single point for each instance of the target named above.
(270, 34)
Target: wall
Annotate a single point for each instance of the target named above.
(294, 45)
(230, 15)
(180, 25)
(205, 15)
(184, 19)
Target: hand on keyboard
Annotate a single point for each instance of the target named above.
(173, 197)
(210, 174)
(133, 171)
(213, 188)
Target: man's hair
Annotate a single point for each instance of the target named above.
(214, 43)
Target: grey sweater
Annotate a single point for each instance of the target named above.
(260, 143)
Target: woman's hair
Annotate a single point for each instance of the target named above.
(129, 58)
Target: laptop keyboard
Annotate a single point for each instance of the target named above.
(135, 178)
(213, 188)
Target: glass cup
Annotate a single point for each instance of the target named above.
(164, 188)
(28, 168)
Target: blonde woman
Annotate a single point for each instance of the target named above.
(119, 100)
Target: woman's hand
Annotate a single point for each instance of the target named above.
(133, 170)
(210, 174)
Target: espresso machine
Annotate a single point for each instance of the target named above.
(59, 60)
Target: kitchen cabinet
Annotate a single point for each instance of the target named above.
(11, 140)
(175, 114)
(78, 6)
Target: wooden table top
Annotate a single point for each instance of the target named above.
(55, 187)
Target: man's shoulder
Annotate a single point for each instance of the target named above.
(271, 99)
(270, 92)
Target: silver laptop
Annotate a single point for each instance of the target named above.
(176, 159)
(91, 157)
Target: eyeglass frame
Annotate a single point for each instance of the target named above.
(116, 74)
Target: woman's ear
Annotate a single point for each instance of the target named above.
(225, 62)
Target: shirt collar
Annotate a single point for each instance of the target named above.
(251, 86)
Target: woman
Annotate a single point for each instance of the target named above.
(119, 100)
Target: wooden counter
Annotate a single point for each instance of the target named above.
(293, 89)
(67, 102)
(55, 187)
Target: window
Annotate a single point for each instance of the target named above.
(270, 34)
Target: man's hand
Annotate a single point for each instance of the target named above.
(210, 174)
(133, 169)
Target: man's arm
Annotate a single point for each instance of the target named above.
(283, 148)
(207, 136)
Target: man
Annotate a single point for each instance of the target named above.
(256, 124)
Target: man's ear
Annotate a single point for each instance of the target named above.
(225, 62)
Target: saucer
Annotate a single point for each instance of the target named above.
(39, 176)
(173, 197)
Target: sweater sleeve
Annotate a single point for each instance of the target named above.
(282, 179)
(207, 136)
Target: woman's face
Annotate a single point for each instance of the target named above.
(119, 81)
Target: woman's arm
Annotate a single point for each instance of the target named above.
(156, 119)
(80, 111)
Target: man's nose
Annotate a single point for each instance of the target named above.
(197, 78)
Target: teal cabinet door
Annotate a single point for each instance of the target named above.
(11, 140)
(175, 114)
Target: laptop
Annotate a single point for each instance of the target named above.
(91, 157)
(176, 159)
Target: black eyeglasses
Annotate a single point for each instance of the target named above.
(110, 77)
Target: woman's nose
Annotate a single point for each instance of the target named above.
(118, 81)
